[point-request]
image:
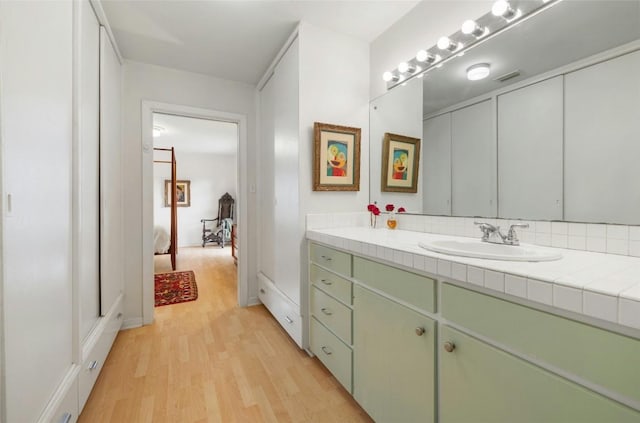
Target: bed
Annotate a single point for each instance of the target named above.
(161, 240)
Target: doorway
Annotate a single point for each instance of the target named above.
(185, 129)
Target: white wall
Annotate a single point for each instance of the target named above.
(334, 88)
(211, 175)
(155, 83)
(419, 29)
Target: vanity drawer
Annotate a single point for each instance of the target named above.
(332, 259)
(332, 352)
(329, 282)
(333, 314)
(411, 288)
(580, 349)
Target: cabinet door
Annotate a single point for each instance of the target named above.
(530, 151)
(602, 130)
(479, 383)
(436, 174)
(393, 375)
(111, 207)
(473, 161)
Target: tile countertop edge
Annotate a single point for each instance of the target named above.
(577, 283)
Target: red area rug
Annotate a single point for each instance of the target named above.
(175, 287)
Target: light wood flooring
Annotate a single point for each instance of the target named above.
(211, 361)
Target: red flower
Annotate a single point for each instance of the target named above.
(375, 211)
(370, 207)
(401, 210)
(390, 207)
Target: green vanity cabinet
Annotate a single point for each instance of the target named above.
(480, 383)
(393, 364)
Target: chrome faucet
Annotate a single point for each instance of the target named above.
(492, 234)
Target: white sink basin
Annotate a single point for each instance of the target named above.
(485, 250)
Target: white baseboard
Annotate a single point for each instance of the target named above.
(253, 301)
(131, 323)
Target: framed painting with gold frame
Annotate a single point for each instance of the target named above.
(183, 189)
(336, 158)
(400, 161)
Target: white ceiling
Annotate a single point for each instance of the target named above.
(235, 40)
(190, 135)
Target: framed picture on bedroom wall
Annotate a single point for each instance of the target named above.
(183, 190)
(336, 158)
(400, 160)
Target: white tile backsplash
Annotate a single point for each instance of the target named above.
(617, 232)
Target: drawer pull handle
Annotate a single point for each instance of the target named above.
(420, 331)
(93, 365)
(449, 346)
(288, 319)
(326, 282)
(66, 418)
(262, 291)
(326, 311)
(119, 315)
(326, 350)
(326, 258)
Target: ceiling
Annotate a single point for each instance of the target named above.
(191, 135)
(235, 40)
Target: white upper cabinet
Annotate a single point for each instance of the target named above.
(530, 132)
(436, 167)
(602, 142)
(473, 159)
(36, 105)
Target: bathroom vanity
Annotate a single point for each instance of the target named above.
(416, 335)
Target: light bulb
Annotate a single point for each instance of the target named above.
(388, 77)
(403, 67)
(471, 27)
(445, 43)
(503, 8)
(478, 71)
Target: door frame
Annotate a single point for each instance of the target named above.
(148, 109)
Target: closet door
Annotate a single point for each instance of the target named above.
(86, 157)
(111, 228)
(436, 153)
(473, 157)
(36, 64)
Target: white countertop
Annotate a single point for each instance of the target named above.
(604, 286)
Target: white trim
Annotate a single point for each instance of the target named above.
(253, 301)
(148, 108)
(136, 322)
(68, 383)
(102, 18)
(269, 73)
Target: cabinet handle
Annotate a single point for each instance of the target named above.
(420, 331)
(326, 258)
(66, 418)
(288, 319)
(326, 282)
(93, 365)
(326, 350)
(119, 315)
(449, 346)
(326, 311)
(262, 291)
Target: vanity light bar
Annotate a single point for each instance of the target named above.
(502, 16)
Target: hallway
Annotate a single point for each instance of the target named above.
(210, 361)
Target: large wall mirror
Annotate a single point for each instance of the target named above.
(553, 133)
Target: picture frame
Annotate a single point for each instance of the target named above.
(336, 158)
(400, 163)
(184, 193)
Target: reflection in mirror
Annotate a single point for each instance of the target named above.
(398, 112)
(551, 134)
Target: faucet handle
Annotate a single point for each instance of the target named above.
(512, 236)
(487, 229)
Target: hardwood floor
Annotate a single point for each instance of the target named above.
(211, 361)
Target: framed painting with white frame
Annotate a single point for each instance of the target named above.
(183, 189)
(400, 161)
(336, 159)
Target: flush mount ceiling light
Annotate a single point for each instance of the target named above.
(445, 43)
(158, 130)
(471, 27)
(503, 9)
(478, 71)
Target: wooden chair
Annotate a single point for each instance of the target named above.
(218, 230)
